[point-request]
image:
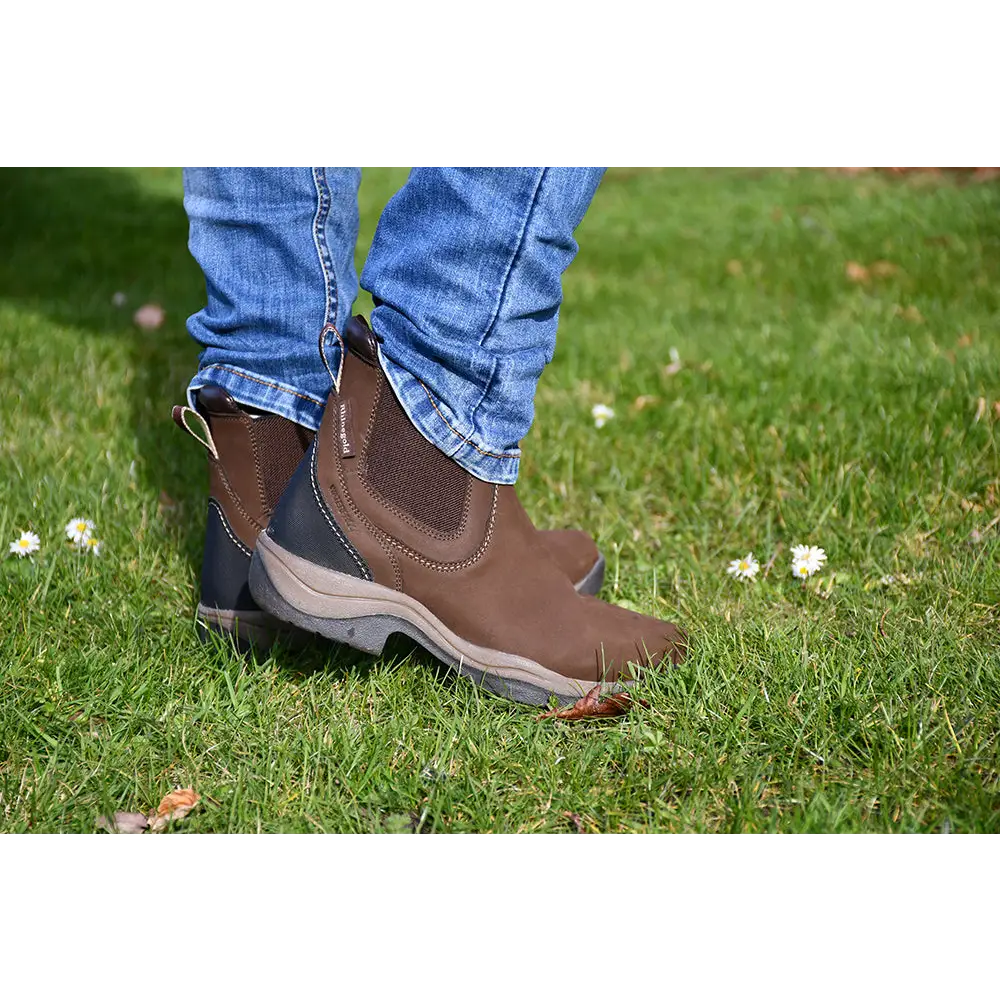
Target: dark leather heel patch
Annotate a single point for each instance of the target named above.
(303, 523)
(226, 567)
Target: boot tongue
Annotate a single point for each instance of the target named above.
(362, 341)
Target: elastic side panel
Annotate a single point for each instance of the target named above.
(279, 445)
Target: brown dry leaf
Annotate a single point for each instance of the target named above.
(173, 807)
(734, 267)
(884, 269)
(149, 317)
(857, 272)
(575, 820)
(980, 408)
(641, 402)
(911, 313)
(592, 706)
(964, 341)
(123, 822)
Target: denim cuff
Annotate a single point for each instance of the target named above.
(261, 393)
(444, 430)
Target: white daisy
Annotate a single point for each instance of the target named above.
(806, 560)
(745, 568)
(601, 414)
(79, 530)
(92, 545)
(28, 542)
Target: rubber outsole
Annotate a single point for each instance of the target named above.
(257, 631)
(591, 584)
(363, 615)
(249, 631)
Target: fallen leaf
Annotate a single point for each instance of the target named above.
(592, 706)
(734, 267)
(149, 317)
(884, 269)
(964, 341)
(912, 313)
(856, 272)
(575, 820)
(123, 822)
(980, 408)
(641, 402)
(174, 806)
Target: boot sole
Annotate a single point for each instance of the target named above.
(257, 631)
(363, 615)
(250, 631)
(591, 584)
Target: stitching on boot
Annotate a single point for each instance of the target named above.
(260, 381)
(401, 514)
(377, 533)
(254, 523)
(397, 576)
(248, 425)
(212, 502)
(462, 438)
(333, 524)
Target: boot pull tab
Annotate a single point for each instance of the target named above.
(180, 415)
(331, 329)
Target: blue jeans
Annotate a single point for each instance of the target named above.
(465, 272)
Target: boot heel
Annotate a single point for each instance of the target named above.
(369, 633)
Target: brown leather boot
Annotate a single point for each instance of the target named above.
(251, 458)
(380, 532)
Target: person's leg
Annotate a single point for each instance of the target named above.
(465, 270)
(277, 249)
(401, 518)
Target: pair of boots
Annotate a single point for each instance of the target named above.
(367, 529)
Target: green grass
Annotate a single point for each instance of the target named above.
(808, 408)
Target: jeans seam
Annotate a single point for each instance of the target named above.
(462, 438)
(323, 201)
(260, 381)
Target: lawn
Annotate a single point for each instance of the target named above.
(799, 404)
